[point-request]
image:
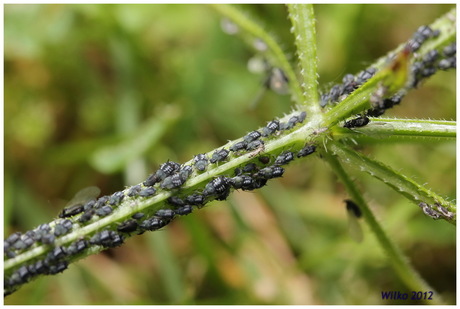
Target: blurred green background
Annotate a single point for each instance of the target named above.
(102, 94)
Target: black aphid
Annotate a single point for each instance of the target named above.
(172, 182)
(86, 216)
(71, 211)
(147, 192)
(101, 201)
(363, 76)
(165, 213)
(200, 162)
(59, 230)
(244, 182)
(270, 172)
(335, 93)
(77, 247)
(252, 136)
(104, 211)
(284, 158)
(153, 224)
(134, 190)
(195, 199)
(361, 121)
(271, 128)
(48, 239)
(220, 187)
(449, 63)
(184, 210)
(352, 207)
(185, 172)
(89, 205)
(167, 169)
(307, 150)
(116, 198)
(13, 238)
(264, 159)
(127, 226)
(175, 201)
(450, 50)
(151, 180)
(429, 211)
(430, 57)
(255, 145)
(138, 215)
(238, 146)
(250, 167)
(219, 155)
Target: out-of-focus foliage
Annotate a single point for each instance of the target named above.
(85, 82)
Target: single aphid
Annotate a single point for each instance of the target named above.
(134, 190)
(219, 155)
(195, 199)
(271, 128)
(104, 211)
(184, 210)
(76, 205)
(252, 136)
(147, 192)
(354, 226)
(284, 158)
(307, 150)
(200, 162)
(127, 226)
(361, 121)
(138, 215)
(165, 213)
(238, 146)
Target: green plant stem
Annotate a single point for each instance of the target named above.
(303, 26)
(399, 130)
(403, 268)
(412, 190)
(275, 52)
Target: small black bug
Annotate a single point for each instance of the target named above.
(250, 167)
(361, 121)
(307, 150)
(363, 76)
(271, 128)
(77, 247)
(127, 226)
(195, 199)
(200, 162)
(219, 155)
(335, 93)
(58, 268)
(71, 211)
(151, 180)
(172, 182)
(167, 169)
(449, 63)
(185, 172)
(165, 213)
(116, 198)
(86, 216)
(450, 50)
(101, 201)
(134, 190)
(219, 186)
(270, 172)
(153, 224)
(284, 158)
(429, 211)
(351, 206)
(184, 210)
(138, 215)
(147, 192)
(175, 201)
(430, 57)
(257, 144)
(238, 146)
(252, 136)
(104, 211)
(264, 159)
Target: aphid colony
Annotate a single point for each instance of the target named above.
(349, 84)
(169, 176)
(436, 211)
